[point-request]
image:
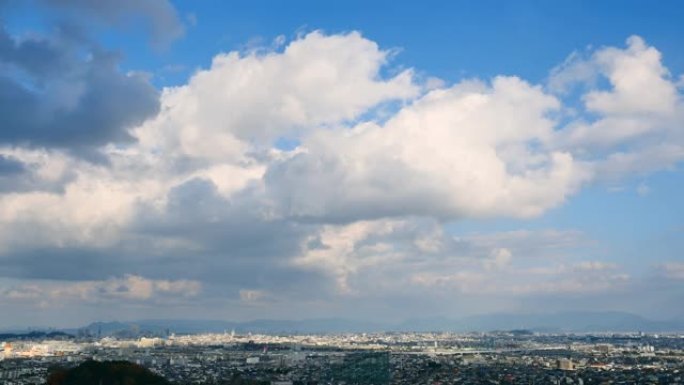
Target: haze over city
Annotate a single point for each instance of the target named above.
(371, 161)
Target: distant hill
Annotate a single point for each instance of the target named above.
(35, 335)
(160, 327)
(105, 373)
(577, 322)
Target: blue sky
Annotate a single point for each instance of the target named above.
(450, 40)
(207, 159)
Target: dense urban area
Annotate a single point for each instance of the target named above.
(513, 357)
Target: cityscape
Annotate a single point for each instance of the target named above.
(504, 357)
(341, 192)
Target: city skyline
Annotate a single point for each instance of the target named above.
(273, 160)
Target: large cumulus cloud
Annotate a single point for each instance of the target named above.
(471, 150)
(246, 101)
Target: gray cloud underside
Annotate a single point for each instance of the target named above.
(53, 94)
(162, 18)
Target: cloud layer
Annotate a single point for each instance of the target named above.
(195, 195)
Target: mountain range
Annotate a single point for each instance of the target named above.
(577, 322)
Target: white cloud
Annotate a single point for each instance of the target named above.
(462, 282)
(252, 296)
(578, 284)
(594, 266)
(500, 258)
(539, 244)
(315, 81)
(391, 255)
(472, 150)
(72, 202)
(583, 278)
(342, 250)
(127, 288)
(640, 82)
(643, 189)
(633, 126)
(673, 270)
(572, 71)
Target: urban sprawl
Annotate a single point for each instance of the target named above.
(515, 357)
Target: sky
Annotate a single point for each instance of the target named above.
(368, 160)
